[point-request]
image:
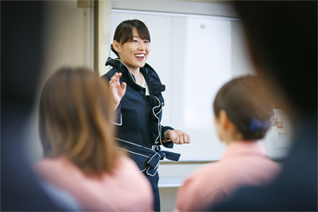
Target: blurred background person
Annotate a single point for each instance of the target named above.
(77, 136)
(282, 42)
(21, 67)
(242, 111)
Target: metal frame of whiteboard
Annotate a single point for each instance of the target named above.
(170, 182)
(183, 7)
(174, 14)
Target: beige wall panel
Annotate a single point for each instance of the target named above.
(64, 46)
(64, 37)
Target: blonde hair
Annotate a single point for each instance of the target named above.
(75, 118)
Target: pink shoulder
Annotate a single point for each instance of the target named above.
(52, 166)
(128, 163)
(44, 163)
(129, 167)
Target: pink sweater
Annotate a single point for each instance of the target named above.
(126, 190)
(243, 164)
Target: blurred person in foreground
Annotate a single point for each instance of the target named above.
(22, 34)
(80, 154)
(282, 42)
(242, 111)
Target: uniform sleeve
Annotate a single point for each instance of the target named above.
(168, 144)
(119, 118)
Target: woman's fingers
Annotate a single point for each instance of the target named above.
(123, 85)
(115, 78)
(115, 83)
(112, 80)
(118, 75)
(189, 139)
(176, 140)
(181, 139)
(185, 138)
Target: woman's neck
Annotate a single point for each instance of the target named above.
(233, 137)
(136, 72)
(138, 76)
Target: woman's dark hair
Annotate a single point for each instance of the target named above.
(75, 120)
(247, 104)
(123, 32)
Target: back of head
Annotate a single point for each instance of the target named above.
(282, 39)
(75, 120)
(247, 104)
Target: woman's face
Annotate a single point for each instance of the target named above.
(133, 53)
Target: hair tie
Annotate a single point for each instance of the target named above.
(256, 124)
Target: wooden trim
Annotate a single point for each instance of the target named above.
(96, 36)
(84, 3)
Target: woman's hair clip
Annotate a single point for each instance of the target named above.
(256, 124)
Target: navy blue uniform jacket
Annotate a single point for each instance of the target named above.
(139, 130)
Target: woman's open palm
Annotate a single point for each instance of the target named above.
(117, 90)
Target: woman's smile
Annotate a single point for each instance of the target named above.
(134, 53)
(140, 56)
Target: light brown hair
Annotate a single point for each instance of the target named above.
(75, 120)
(248, 105)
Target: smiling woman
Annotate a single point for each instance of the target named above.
(137, 95)
(134, 53)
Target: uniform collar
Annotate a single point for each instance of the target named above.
(239, 148)
(151, 77)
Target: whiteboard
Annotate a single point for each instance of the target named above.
(193, 55)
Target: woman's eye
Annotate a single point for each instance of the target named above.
(146, 41)
(136, 41)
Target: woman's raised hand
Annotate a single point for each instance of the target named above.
(178, 136)
(117, 90)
